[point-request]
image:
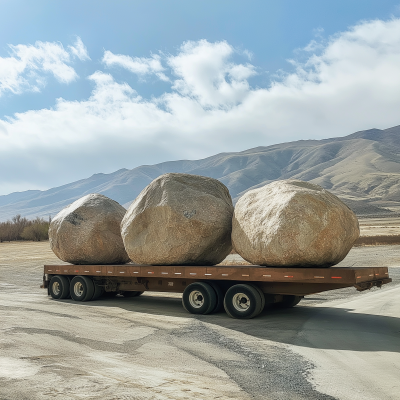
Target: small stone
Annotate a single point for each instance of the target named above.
(179, 219)
(88, 232)
(293, 223)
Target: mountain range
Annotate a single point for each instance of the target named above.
(363, 169)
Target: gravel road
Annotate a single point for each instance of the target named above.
(337, 345)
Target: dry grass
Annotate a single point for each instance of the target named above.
(377, 240)
(26, 252)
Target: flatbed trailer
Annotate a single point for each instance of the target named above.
(241, 290)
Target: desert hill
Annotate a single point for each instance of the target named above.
(362, 168)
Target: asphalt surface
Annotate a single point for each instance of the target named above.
(340, 344)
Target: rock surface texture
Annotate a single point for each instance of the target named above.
(293, 223)
(88, 232)
(179, 219)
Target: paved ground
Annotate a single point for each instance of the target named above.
(336, 345)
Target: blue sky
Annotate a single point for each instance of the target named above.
(95, 86)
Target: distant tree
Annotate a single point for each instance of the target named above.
(6, 231)
(37, 230)
(19, 224)
(21, 228)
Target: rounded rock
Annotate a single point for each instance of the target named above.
(179, 219)
(293, 223)
(88, 232)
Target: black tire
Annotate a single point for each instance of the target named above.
(199, 298)
(134, 293)
(288, 301)
(59, 287)
(82, 288)
(269, 300)
(220, 297)
(243, 301)
(98, 291)
(262, 295)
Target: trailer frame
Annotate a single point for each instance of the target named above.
(285, 281)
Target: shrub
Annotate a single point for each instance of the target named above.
(21, 228)
(38, 230)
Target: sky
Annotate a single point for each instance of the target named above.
(96, 86)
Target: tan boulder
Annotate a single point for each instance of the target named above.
(88, 232)
(293, 223)
(179, 219)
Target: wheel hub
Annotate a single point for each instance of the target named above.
(196, 299)
(241, 302)
(78, 289)
(56, 288)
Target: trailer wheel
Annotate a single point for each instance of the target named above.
(220, 297)
(82, 288)
(288, 301)
(262, 295)
(199, 298)
(243, 301)
(134, 293)
(59, 287)
(98, 291)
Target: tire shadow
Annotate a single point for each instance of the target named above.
(317, 327)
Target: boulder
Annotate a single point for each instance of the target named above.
(88, 232)
(293, 223)
(179, 219)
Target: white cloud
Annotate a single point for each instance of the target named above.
(79, 50)
(140, 66)
(27, 66)
(205, 72)
(313, 46)
(248, 54)
(351, 84)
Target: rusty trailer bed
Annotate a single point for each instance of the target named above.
(292, 281)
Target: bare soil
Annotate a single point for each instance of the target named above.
(379, 226)
(150, 348)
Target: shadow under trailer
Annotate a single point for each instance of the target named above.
(243, 291)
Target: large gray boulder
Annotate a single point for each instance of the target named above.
(179, 219)
(293, 223)
(88, 232)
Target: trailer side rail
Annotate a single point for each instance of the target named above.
(340, 275)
